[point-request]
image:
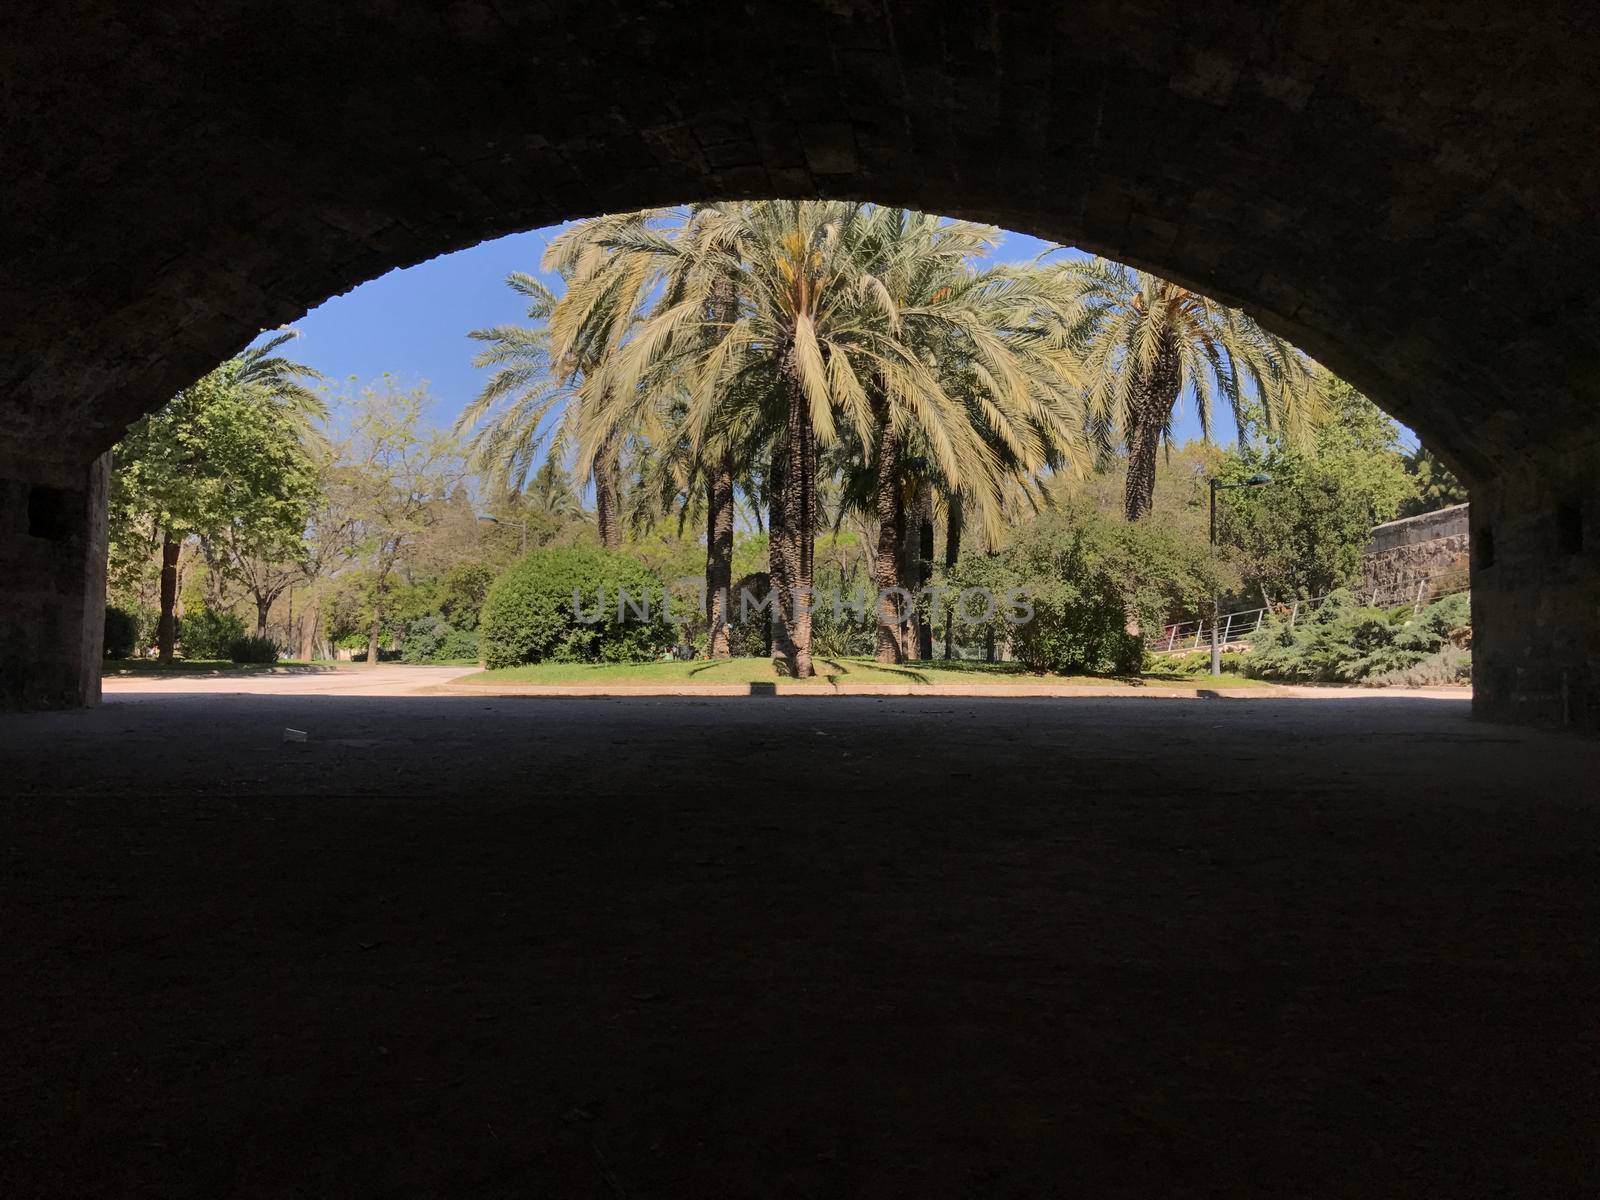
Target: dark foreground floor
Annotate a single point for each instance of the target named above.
(793, 947)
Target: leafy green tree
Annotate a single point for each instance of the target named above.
(391, 483)
(225, 459)
(1304, 534)
(1146, 342)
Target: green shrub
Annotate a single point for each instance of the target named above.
(530, 615)
(1197, 663)
(207, 633)
(432, 639)
(1447, 665)
(1342, 642)
(1091, 581)
(253, 649)
(122, 632)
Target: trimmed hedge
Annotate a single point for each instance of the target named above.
(253, 649)
(530, 614)
(122, 632)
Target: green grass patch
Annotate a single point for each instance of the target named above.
(212, 666)
(829, 671)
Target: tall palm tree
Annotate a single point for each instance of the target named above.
(1001, 398)
(1146, 341)
(547, 372)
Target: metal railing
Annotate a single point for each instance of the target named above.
(1237, 628)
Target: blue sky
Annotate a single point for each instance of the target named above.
(413, 323)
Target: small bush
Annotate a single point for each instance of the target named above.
(530, 614)
(1198, 663)
(432, 639)
(208, 633)
(253, 649)
(122, 632)
(1447, 665)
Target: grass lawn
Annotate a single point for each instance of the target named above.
(829, 671)
(211, 666)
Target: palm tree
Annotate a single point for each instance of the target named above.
(550, 493)
(1145, 341)
(1000, 399)
(547, 372)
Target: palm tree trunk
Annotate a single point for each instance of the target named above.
(923, 628)
(890, 519)
(792, 546)
(775, 528)
(719, 556)
(1153, 404)
(605, 494)
(952, 552)
(167, 626)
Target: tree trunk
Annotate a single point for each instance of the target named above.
(1153, 404)
(373, 637)
(921, 622)
(309, 620)
(890, 519)
(793, 545)
(719, 556)
(952, 553)
(605, 494)
(167, 626)
(774, 639)
(263, 610)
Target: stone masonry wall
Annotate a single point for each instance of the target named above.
(1432, 546)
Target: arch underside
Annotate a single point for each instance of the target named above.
(1399, 188)
(1407, 190)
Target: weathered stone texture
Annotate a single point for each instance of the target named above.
(1408, 191)
(1417, 557)
(1536, 592)
(53, 568)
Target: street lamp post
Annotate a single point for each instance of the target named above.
(1256, 480)
(523, 526)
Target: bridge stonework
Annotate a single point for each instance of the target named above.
(1409, 192)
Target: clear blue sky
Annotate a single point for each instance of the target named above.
(413, 323)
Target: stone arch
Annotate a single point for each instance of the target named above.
(1407, 191)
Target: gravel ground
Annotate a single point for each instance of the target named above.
(796, 947)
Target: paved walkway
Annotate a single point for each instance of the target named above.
(939, 948)
(394, 679)
(386, 679)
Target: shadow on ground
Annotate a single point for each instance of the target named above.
(831, 947)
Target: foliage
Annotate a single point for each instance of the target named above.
(1093, 582)
(122, 632)
(462, 592)
(393, 482)
(1303, 534)
(226, 455)
(1146, 342)
(253, 649)
(430, 639)
(1199, 663)
(1436, 485)
(208, 633)
(529, 615)
(1447, 665)
(1344, 642)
